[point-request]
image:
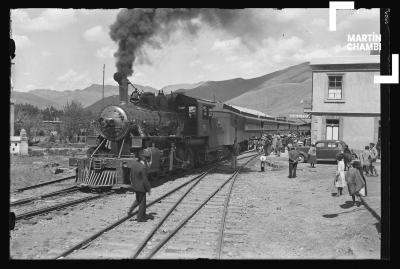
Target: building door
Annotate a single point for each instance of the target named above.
(332, 129)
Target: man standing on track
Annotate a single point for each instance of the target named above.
(140, 185)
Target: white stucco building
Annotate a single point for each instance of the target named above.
(345, 100)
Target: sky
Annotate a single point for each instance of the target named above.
(65, 49)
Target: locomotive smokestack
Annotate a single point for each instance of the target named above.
(123, 87)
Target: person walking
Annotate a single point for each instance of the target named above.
(139, 184)
(347, 157)
(267, 146)
(274, 139)
(360, 169)
(293, 160)
(340, 181)
(278, 146)
(374, 155)
(312, 155)
(365, 157)
(354, 183)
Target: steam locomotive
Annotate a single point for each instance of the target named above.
(172, 131)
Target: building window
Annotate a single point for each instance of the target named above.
(335, 87)
(332, 129)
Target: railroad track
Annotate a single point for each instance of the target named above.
(43, 184)
(42, 196)
(48, 209)
(44, 210)
(122, 242)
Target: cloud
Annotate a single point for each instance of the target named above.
(290, 14)
(283, 46)
(313, 52)
(226, 45)
(105, 52)
(319, 22)
(232, 58)
(196, 63)
(48, 20)
(71, 75)
(22, 41)
(348, 19)
(46, 53)
(96, 33)
(30, 87)
(211, 67)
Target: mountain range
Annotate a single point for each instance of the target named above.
(278, 93)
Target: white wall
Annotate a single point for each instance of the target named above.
(360, 94)
(14, 147)
(358, 132)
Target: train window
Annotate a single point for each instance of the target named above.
(192, 112)
(206, 112)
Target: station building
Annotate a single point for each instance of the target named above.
(345, 100)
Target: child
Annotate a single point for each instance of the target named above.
(354, 182)
(365, 159)
(340, 180)
(312, 153)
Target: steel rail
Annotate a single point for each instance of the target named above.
(43, 184)
(118, 222)
(148, 237)
(222, 227)
(150, 234)
(91, 238)
(167, 238)
(46, 195)
(59, 206)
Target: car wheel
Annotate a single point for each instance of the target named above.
(301, 158)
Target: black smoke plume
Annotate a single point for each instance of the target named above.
(136, 27)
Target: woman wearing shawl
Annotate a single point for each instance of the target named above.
(354, 182)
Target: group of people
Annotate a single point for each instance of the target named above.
(368, 158)
(277, 143)
(354, 178)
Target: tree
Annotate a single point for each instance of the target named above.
(27, 117)
(74, 118)
(51, 113)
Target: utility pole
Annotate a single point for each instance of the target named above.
(104, 66)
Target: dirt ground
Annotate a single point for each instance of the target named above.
(27, 171)
(276, 218)
(299, 218)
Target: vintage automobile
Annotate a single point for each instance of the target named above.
(326, 150)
